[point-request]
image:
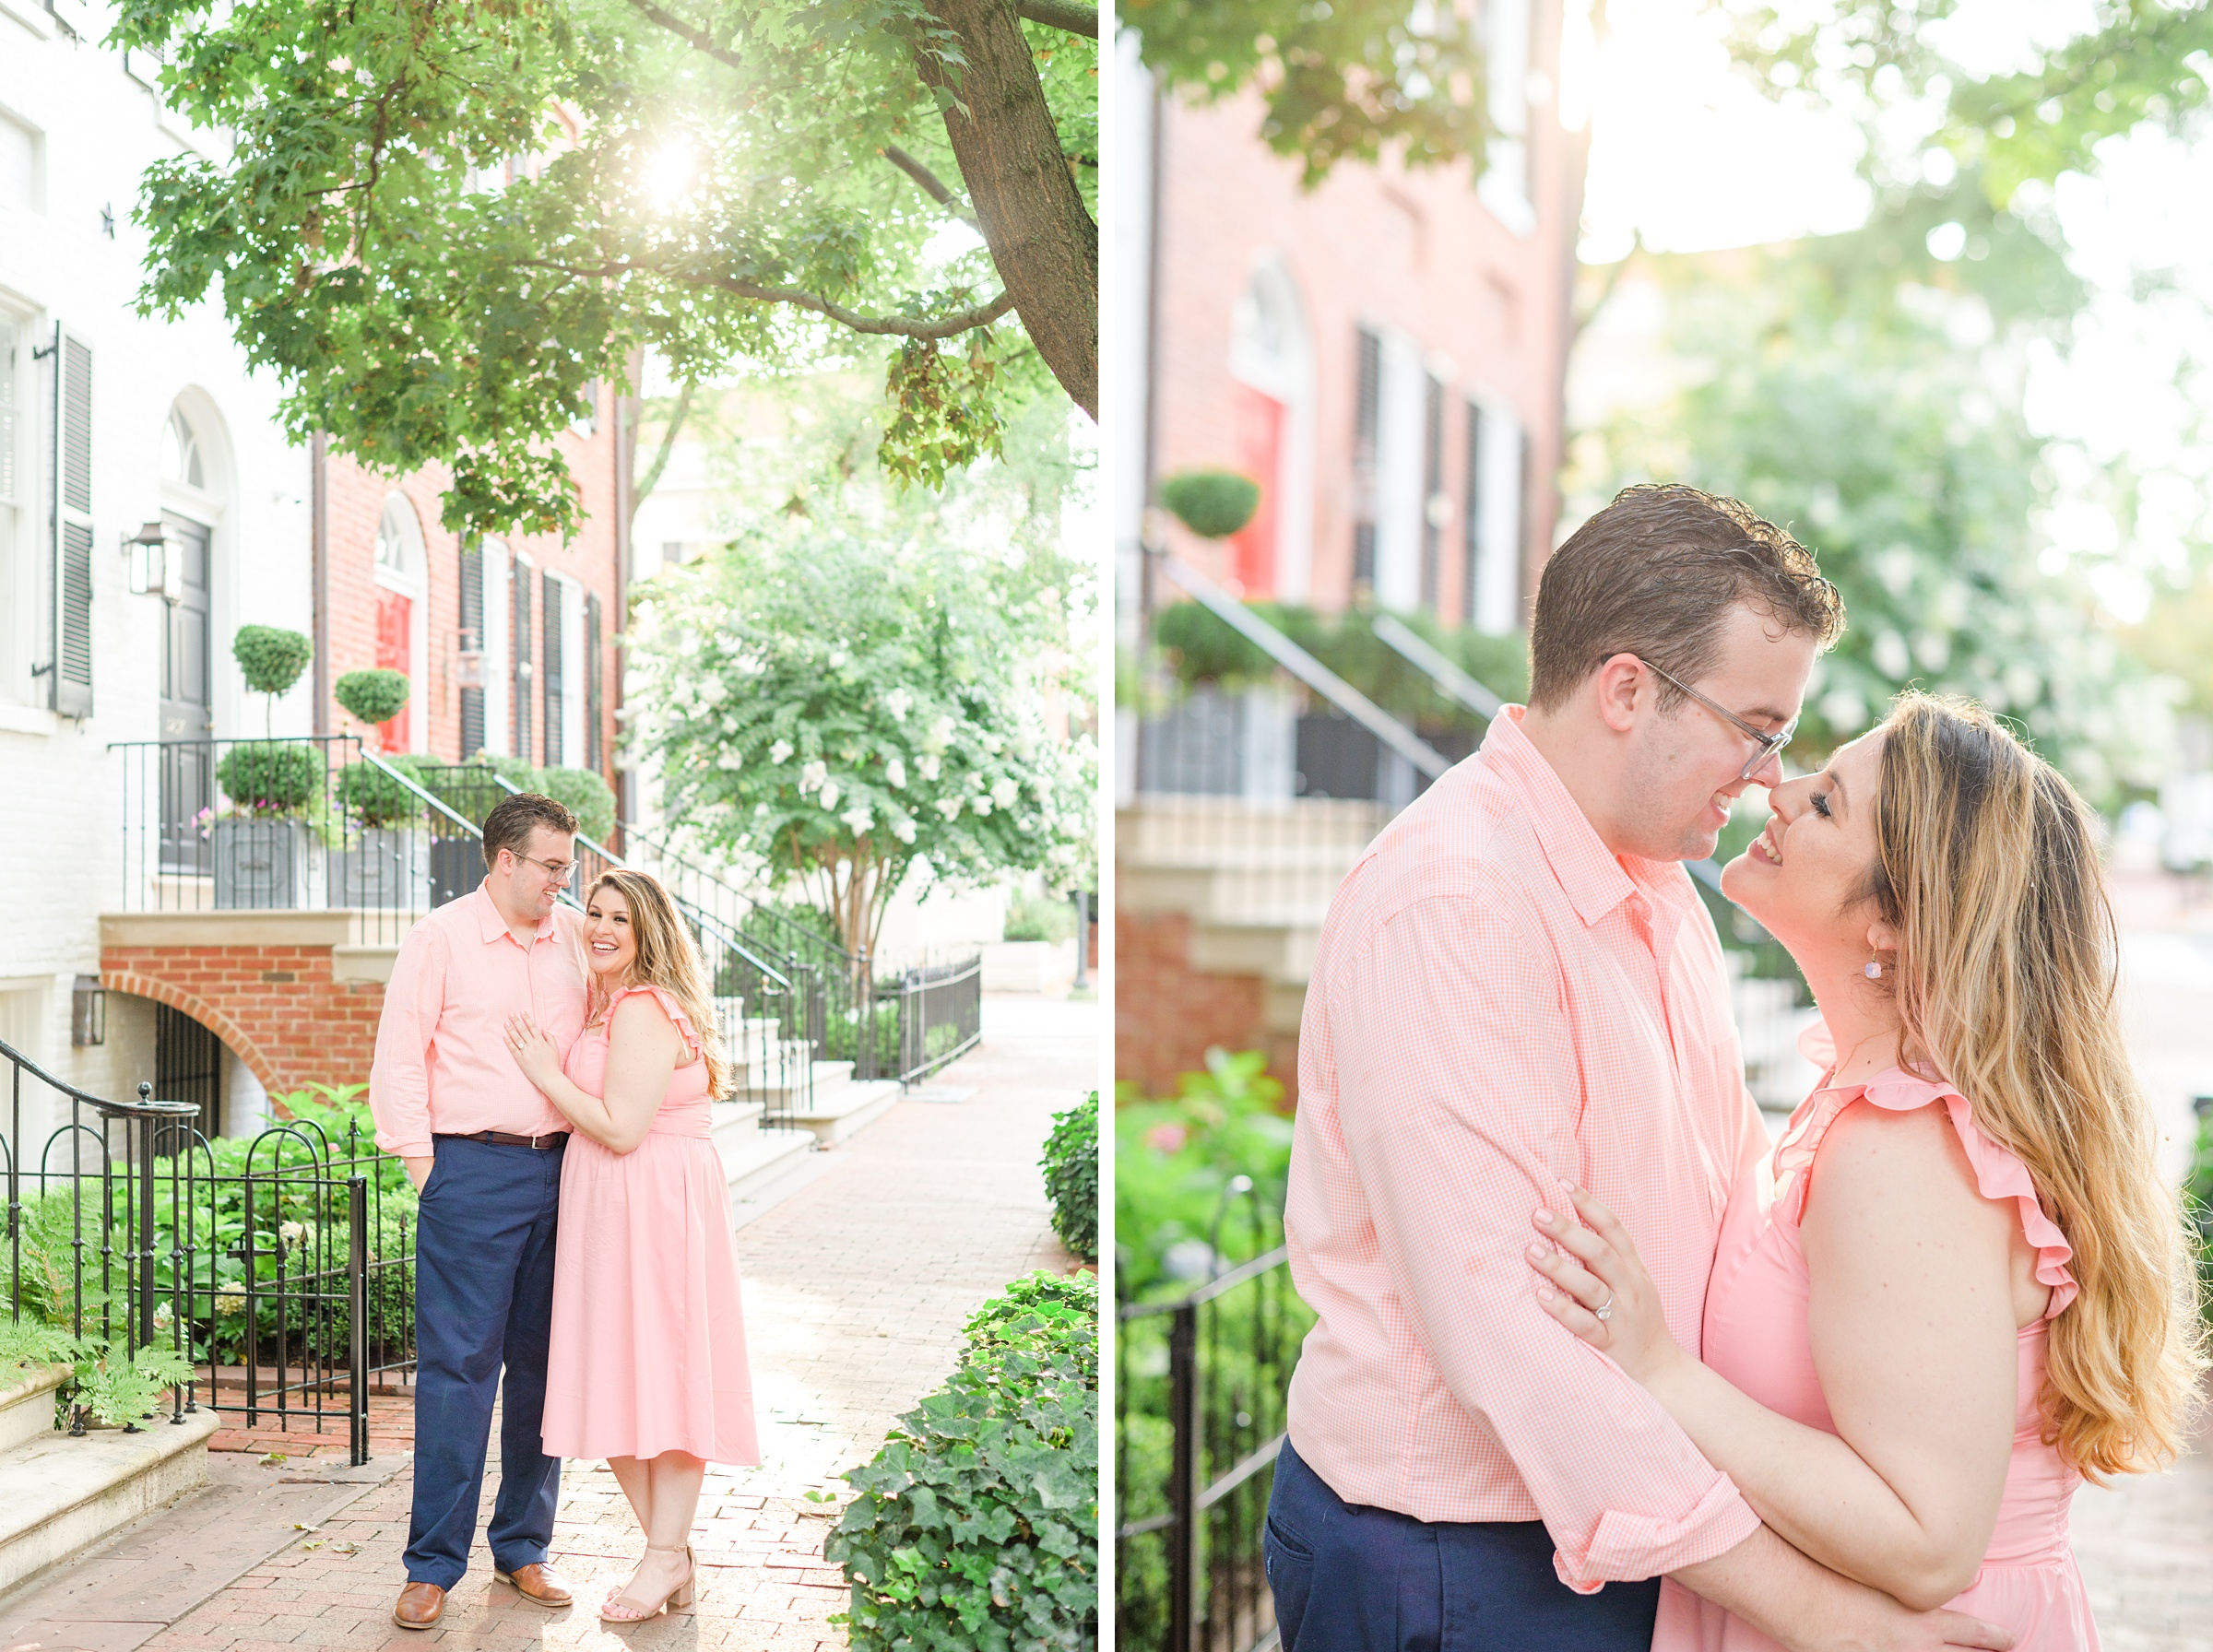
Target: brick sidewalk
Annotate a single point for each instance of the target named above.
(856, 1289)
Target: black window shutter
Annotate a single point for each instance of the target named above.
(72, 581)
(593, 753)
(1368, 417)
(520, 584)
(1432, 486)
(472, 640)
(553, 681)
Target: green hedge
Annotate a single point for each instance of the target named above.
(371, 797)
(976, 1525)
(1199, 647)
(1071, 1176)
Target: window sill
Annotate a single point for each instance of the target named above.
(31, 15)
(27, 719)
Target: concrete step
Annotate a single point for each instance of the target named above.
(795, 1080)
(752, 1157)
(58, 1494)
(26, 1404)
(839, 1111)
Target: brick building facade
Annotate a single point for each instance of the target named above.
(404, 592)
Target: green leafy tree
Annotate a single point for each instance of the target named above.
(2135, 63)
(1347, 81)
(846, 714)
(437, 225)
(1881, 420)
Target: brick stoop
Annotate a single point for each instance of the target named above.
(1219, 904)
(59, 1494)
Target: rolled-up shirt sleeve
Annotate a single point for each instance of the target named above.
(1459, 1092)
(399, 1084)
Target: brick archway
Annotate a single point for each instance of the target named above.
(283, 990)
(235, 1038)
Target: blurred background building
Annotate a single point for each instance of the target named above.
(1383, 353)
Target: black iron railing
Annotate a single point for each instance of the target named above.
(272, 1279)
(288, 825)
(1199, 1418)
(938, 1010)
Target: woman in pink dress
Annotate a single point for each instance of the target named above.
(646, 1366)
(1959, 1285)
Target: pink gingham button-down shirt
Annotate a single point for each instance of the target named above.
(443, 1065)
(1498, 1002)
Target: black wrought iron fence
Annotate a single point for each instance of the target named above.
(1199, 1418)
(272, 1279)
(938, 1010)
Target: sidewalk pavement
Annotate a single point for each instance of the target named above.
(2146, 1544)
(855, 1287)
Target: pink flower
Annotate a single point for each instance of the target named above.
(1167, 1139)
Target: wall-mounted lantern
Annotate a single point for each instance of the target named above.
(88, 1012)
(468, 663)
(155, 568)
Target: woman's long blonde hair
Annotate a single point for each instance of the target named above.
(2004, 981)
(667, 958)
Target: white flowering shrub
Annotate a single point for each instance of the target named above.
(850, 713)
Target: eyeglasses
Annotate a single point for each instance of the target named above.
(561, 871)
(1770, 745)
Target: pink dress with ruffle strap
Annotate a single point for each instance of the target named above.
(1755, 1335)
(648, 1341)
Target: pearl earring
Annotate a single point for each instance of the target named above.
(1874, 971)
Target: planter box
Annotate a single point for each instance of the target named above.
(266, 865)
(1028, 965)
(388, 869)
(457, 866)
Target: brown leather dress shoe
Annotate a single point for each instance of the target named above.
(420, 1605)
(539, 1584)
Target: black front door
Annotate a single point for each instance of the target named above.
(187, 785)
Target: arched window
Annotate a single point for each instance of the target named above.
(180, 452)
(399, 542)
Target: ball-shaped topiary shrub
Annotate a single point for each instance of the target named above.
(373, 797)
(270, 777)
(372, 696)
(272, 659)
(1211, 503)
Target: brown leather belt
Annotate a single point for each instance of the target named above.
(503, 1138)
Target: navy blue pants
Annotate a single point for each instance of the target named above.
(483, 1301)
(1354, 1579)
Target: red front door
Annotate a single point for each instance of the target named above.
(1257, 425)
(393, 613)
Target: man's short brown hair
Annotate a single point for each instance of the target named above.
(1655, 574)
(512, 820)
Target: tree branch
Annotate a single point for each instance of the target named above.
(1058, 14)
(894, 326)
(899, 326)
(929, 182)
(660, 459)
(683, 31)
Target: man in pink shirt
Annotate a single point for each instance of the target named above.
(1518, 987)
(484, 1149)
